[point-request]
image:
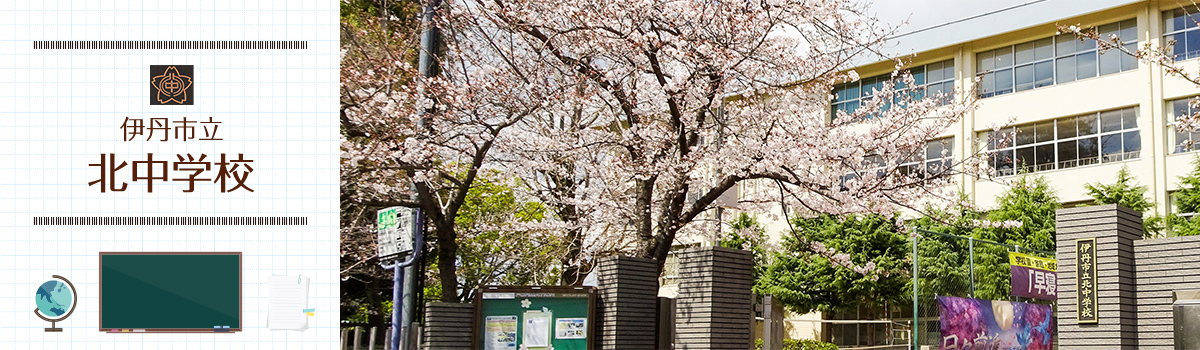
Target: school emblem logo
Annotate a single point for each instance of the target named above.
(171, 85)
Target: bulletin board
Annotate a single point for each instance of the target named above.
(535, 318)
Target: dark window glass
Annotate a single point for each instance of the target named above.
(1110, 62)
(1129, 62)
(987, 85)
(1132, 142)
(1045, 157)
(1025, 159)
(1024, 53)
(1024, 77)
(1180, 46)
(1066, 128)
(1193, 44)
(1181, 141)
(1043, 73)
(1129, 30)
(1003, 162)
(1110, 121)
(1089, 153)
(1110, 145)
(935, 72)
(1087, 124)
(1085, 65)
(1066, 44)
(918, 75)
(1044, 131)
(1004, 57)
(1067, 155)
(1043, 48)
(1066, 69)
(1004, 81)
(985, 61)
(1129, 118)
(1024, 134)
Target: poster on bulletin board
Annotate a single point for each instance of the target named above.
(535, 318)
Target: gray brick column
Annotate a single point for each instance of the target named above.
(628, 291)
(714, 303)
(448, 326)
(1167, 269)
(1115, 229)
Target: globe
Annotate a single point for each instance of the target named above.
(55, 301)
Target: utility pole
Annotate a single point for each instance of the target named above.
(427, 65)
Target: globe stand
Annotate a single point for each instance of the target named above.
(75, 302)
(52, 328)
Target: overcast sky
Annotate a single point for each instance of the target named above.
(925, 13)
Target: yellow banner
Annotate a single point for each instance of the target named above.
(1032, 262)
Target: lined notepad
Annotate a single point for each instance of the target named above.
(288, 302)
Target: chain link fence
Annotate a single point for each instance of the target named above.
(951, 265)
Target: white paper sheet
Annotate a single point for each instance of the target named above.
(537, 329)
(288, 298)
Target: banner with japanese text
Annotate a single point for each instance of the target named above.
(1033, 277)
(995, 324)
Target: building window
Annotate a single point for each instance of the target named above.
(1062, 143)
(930, 79)
(1054, 60)
(936, 159)
(1185, 141)
(1179, 25)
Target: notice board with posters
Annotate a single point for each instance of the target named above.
(535, 318)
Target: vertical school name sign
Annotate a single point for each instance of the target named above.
(1085, 280)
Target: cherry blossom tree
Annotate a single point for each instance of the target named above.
(670, 104)
(629, 120)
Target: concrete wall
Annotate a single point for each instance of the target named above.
(1164, 266)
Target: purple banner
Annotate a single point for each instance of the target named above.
(1034, 283)
(993, 324)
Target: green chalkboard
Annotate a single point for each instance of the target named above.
(170, 291)
(563, 316)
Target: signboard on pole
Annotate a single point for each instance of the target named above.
(396, 227)
(1033, 277)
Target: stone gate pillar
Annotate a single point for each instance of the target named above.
(628, 291)
(714, 305)
(1114, 229)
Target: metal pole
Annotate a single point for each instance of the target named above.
(399, 268)
(971, 248)
(916, 345)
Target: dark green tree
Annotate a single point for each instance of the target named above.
(807, 281)
(1129, 194)
(747, 233)
(1187, 201)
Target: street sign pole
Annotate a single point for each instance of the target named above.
(403, 299)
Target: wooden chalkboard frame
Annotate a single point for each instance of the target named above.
(171, 330)
(477, 336)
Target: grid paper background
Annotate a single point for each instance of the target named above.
(61, 109)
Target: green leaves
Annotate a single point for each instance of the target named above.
(806, 281)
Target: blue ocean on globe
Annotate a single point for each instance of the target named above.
(53, 298)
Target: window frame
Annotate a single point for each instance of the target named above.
(921, 81)
(1098, 136)
(1056, 59)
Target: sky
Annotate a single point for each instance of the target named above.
(938, 23)
(916, 12)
